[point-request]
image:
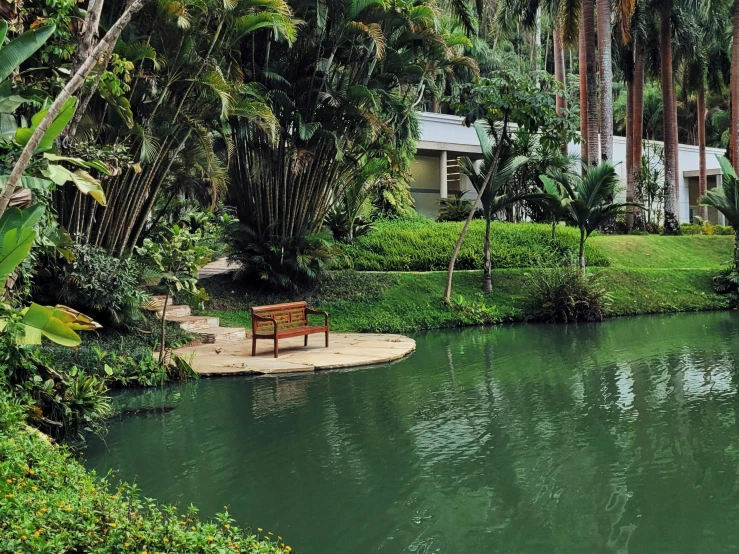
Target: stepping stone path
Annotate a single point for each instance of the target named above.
(206, 327)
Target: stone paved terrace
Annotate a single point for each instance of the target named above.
(345, 350)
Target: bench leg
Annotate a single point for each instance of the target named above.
(326, 339)
(305, 342)
(253, 345)
(277, 348)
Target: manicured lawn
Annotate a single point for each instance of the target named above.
(398, 302)
(656, 251)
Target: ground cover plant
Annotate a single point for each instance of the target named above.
(419, 244)
(50, 503)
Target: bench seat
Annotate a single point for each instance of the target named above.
(284, 321)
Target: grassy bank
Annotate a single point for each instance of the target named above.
(420, 244)
(50, 503)
(404, 302)
(642, 273)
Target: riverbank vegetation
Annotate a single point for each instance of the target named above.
(50, 503)
(142, 139)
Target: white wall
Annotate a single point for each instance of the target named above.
(446, 132)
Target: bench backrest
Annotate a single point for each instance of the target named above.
(287, 315)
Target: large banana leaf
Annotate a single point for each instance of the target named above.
(58, 324)
(20, 49)
(17, 234)
(24, 134)
(84, 182)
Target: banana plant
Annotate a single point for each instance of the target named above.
(29, 325)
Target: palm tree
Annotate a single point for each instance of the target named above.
(734, 134)
(586, 200)
(494, 197)
(669, 102)
(587, 43)
(606, 80)
(726, 201)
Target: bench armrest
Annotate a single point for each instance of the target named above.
(309, 311)
(257, 317)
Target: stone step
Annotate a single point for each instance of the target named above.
(215, 335)
(194, 322)
(176, 310)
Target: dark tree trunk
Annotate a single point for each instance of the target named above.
(672, 215)
(702, 174)
(487, 281)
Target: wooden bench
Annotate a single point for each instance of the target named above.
(281, 321)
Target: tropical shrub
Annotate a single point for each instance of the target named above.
(419, 244)
(282, 265)
(50, 503)
(455, 209)
(94, 282)
(727, 281)
(564, 295)
(343, 227)
(63, 405)
(173, 260)
(705, 228)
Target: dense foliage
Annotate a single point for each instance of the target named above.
(420, 244)
(564, 295)
(50, 503)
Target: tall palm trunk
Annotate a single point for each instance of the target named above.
(672, 221)
(701, 123)
(733, 143)
(559, 67)
(582, 70)
(637, 129)
(606, 80)
(588, 22)
(630, 177)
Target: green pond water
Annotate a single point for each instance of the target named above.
(616, 437)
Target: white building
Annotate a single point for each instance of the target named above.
(435, 172)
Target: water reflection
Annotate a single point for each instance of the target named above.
(619, 437)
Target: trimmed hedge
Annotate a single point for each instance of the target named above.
(50, 503)
(420, 244)
(706, 229)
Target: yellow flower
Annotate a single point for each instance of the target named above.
(125, 544)
(210, 539)
(259, 529)
(23, 537)
(193, 528)
(166, 540)
(112, 525)
(227, 526)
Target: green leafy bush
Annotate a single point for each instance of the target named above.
(420, 244)
(50, 503)
(95, 283)
(297, 263)
(690, 229)
(727, 281)
(64, 404)
(723, 230)
(564, 295)
(456, 209)
(705, 228)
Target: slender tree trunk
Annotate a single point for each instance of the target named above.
(581, 256)
(554, 228)
(702, 174)
(582, 70)
(733, 142)
(672, 215)
(606, 80)
(72, 86)
(487, 281)
(736, 250)
(629, 149)
(163, 346)
(588, 22)
(84, 47)
(466, 226)
(559, 68)
(638, 129)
